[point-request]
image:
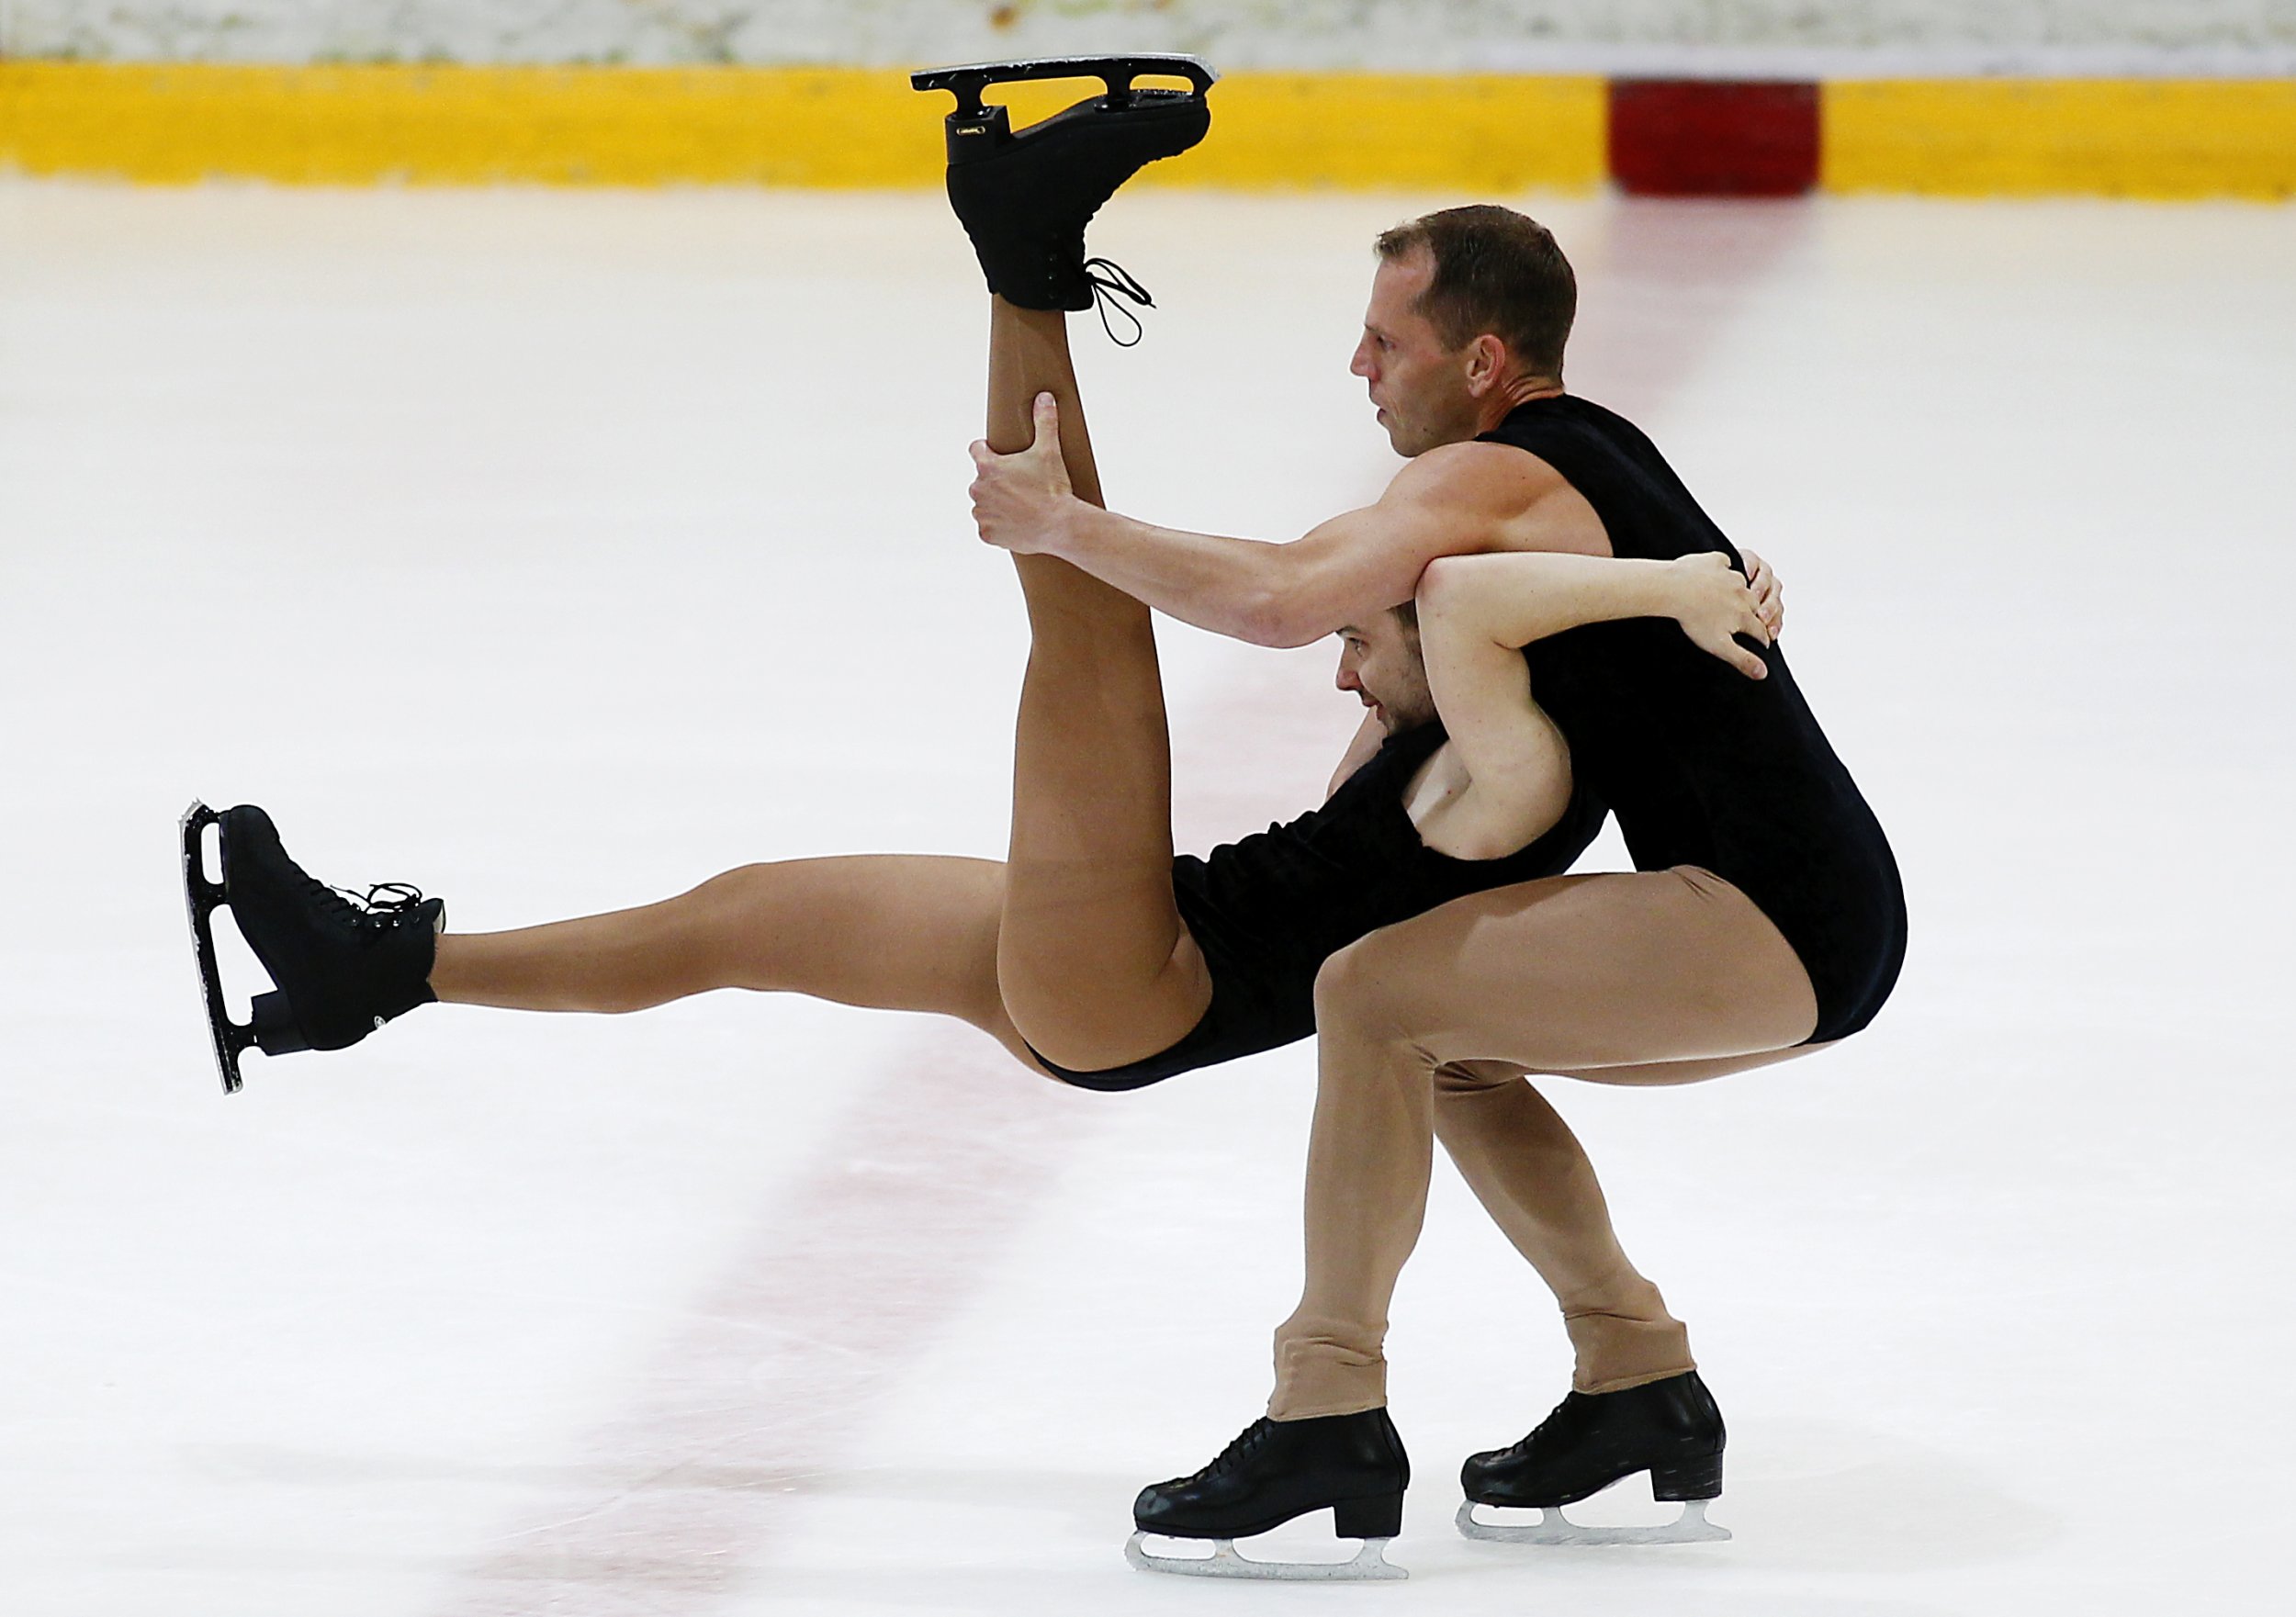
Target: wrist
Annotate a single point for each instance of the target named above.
(1069, 532)
(1673, 588)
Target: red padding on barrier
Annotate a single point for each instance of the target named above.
(1710, 138)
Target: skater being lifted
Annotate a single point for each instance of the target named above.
(1091, 952)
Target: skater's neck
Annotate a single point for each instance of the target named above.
(1502, 401)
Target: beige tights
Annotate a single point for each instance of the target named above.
(1427, 1028)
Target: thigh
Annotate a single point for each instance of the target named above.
(1099, 970)
(1579, 974)
(911, 932)
(1660, 1074)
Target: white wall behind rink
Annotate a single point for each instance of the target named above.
(1815, 38)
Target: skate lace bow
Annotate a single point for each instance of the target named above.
(381, 904)
(1111, 281)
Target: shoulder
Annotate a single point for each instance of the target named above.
(1511, 498)
(1493, 497)
(1491, 477)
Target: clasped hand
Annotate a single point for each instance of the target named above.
(1714, 605)
(1018, 500)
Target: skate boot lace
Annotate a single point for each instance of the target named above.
(1559, 1419)
(1111, 281)
(384, 903)
(1245, 1444)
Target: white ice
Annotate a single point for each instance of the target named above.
(554, 551)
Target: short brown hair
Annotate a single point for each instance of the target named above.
(1495, 271)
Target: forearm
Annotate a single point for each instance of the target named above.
(1515, 598)
(1476, 613)
(1343, 570)
(1239, 588)
(1517, 762)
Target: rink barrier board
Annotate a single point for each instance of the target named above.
(2153, 139)
(825, 127)
(860, 127)
(1710, 138)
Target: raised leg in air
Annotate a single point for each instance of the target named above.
(1095, 965)
(1083, 940)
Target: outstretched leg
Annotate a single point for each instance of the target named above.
(1095, 965)
(891, 932)
(894, 932)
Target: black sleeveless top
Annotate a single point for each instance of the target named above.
(1267, 911)
(1702, 765)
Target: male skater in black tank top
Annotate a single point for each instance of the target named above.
(1764, 916)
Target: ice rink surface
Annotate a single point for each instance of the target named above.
(554, 551)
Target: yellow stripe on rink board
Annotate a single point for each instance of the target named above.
(1486, 134)
(466, 125)
(832, 127)
(2032, 137)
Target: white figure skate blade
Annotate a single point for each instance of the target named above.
(1370, 1564)
(1554, 1528)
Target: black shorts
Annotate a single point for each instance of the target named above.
(1262, 998)
(1269, 909)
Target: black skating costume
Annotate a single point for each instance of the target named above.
(1269, 910)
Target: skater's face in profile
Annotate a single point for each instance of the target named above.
(1380, 663)
(1420, 387)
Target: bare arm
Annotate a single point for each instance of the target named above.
(1352, 567)
(1461, 498)
(1477, 613)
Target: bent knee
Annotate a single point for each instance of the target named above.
(1357, 992)
(1339, 981)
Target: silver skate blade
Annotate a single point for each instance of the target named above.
(201, 896)
(1554, 1528)
(1369, 1566)
(967, 80)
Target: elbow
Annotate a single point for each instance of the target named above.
(1275, 619)
(1443, 586)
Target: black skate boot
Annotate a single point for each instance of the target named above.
(1672, 1429)
(1352, 1464)
(1025, 198)
(341, 965)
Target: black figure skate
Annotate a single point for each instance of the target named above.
(1352, 1466)
(1025, 198)
(1671, 1428)
(340, 965)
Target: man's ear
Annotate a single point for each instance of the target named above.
(1486, 363)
